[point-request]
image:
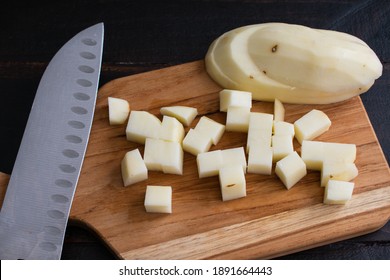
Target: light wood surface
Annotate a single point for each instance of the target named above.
(270, 221)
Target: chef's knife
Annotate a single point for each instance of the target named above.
(37, 203)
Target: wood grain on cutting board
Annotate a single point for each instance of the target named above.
(269, 222)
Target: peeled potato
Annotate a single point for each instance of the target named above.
(293, 63)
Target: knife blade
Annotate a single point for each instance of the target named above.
(39, 195)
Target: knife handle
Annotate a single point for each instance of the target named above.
(4, 179)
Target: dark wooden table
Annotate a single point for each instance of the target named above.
(145, 35)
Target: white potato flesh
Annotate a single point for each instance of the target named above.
(284, 128)
(279, 110)
(232, 182)
(282, 146)
(311, 125)
(154, 154)
(259, 130)
(184, 114)
(158, 199)
(260, 159)
(336, 170)
(210, 128)
(261, 121)
(237, 119)
(338, 192)
(234, 98)
(270, 140)
(258, 137)
(173, 158)
(226, 58)
(171, 130)
(293, 63)
(209, 163)
(165, 156)
(314, 153)
(196, 142)
(214, 62)
(133, 168)
(290, 170)
(339, 152)
(234, 156)
(142, 125)
(118, 110)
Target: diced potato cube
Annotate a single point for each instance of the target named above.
(165, 156)
(258, 138)
(260, 159)
(133, 168)
(184, 114)
(196, 142)
(282, 145)
(339, 152)
(284, 128)
(171, 130)
(234, 98)
(173, 158)
(232, 182)
(209, 163)
(340, 171)
(290, 169)
(237, 119)
(234, 156)
(261, 121)
(118, 110)
(259, 130)
(278, 110)
(311, 125)
(314, 153)
(154, 154)
(338, 192)
(142, 125)
(158, 199)
(210, 128)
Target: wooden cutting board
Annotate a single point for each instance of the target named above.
(269, 222)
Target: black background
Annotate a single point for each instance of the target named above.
(145, 35)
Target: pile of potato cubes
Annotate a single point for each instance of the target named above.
(269, 141)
